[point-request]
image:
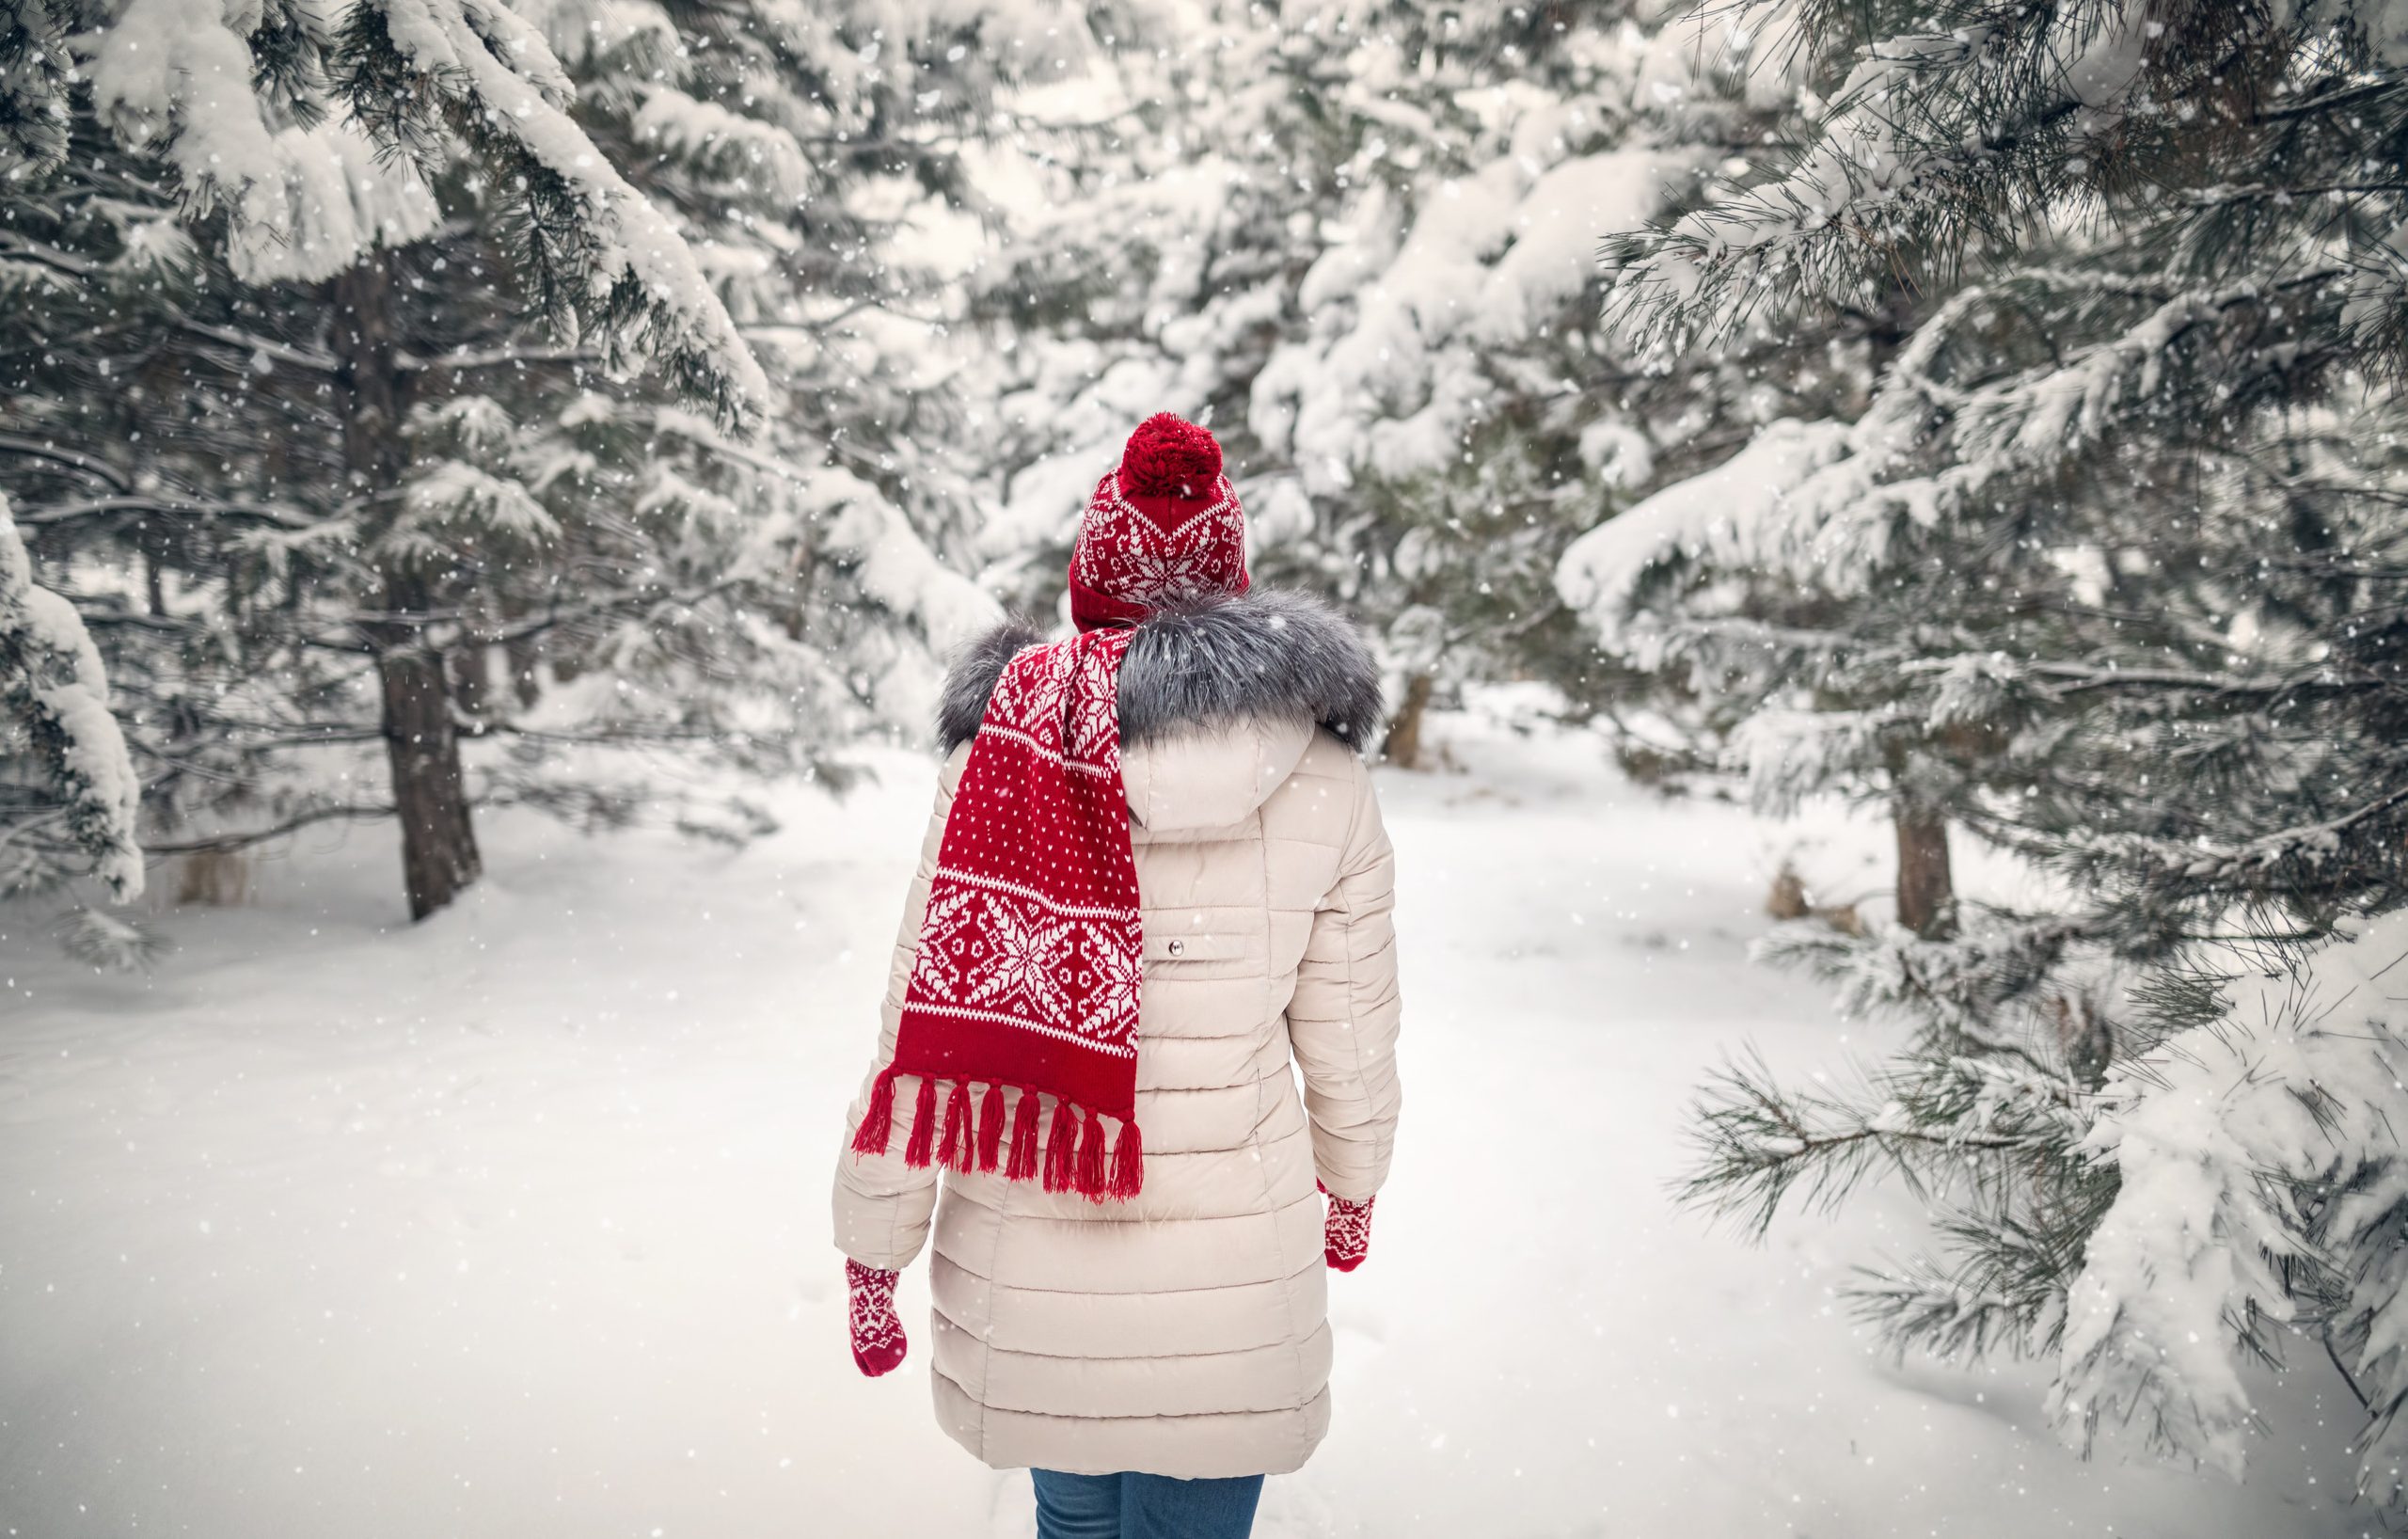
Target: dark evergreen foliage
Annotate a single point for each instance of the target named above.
(2110, 572)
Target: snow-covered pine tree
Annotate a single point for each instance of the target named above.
(1357, 237)
(2107, 574)
(324, 481)
(238, 137)
(750, 599)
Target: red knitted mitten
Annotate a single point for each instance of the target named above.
(1346, 1233)
(878, 1335)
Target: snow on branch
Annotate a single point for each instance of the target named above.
(1920, 120)
(2323, 860)
(2261, 1176)
(1387, 373)
(602, 259)
(1790, 755)
(894, 567)
(54, 689)
(303, 198)
(726, 143)
(1821, 504)
(1970, 989)
(1737, 514)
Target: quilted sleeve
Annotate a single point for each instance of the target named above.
(1342, 1019)
(882, 1205)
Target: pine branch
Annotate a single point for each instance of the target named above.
(12, 443)
(251, 345)
(226, 842)
(1922, 1121)
(274, 515)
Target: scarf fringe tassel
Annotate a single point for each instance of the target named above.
(991, 1129)
(917, 1152)
(1076, 1157)
(1061, 1148)
(1023, 1164)
(955, 1154)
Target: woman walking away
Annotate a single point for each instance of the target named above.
(1155, 876)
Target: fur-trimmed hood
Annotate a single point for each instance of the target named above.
(1264, 654)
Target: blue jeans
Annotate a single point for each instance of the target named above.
(1144, 1506)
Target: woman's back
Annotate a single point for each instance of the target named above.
(1183, 1332)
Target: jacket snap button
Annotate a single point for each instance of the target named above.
(1177, 946)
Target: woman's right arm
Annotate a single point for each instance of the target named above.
(1342, 1020)
(883, 1206)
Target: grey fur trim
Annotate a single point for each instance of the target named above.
(972, 677)
(1264, 653)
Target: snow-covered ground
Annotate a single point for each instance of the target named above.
(514, 1223)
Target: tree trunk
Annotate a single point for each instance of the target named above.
(440, 856)
(1404, 747)
(439, 844)
(1926, 889)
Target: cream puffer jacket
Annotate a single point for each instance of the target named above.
(1184, 1332)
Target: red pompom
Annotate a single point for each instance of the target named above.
(1168, 456)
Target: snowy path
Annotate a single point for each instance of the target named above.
(513, 1224)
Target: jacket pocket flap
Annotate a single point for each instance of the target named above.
(1193, 942)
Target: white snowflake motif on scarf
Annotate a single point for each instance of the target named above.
(1023, 948)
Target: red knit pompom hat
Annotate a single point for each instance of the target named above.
(1163, 527)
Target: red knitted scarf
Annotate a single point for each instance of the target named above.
(1030, 951)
